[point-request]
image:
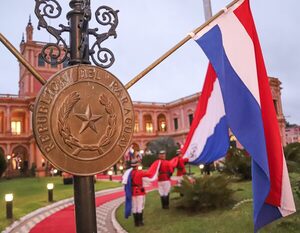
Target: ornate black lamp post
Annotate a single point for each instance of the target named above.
(79, 52)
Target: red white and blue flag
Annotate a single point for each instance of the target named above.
(208, 139)
(245, 105)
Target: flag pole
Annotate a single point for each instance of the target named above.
(177, 46)
(21, 59)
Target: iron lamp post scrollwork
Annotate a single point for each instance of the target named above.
(52, 53)
(105, 16)
(79, 17)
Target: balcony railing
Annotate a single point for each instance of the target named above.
(9, 96)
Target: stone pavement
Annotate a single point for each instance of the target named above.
(106, 221)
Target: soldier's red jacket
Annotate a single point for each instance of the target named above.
(165, 170)
(137, 182)
(180, 166)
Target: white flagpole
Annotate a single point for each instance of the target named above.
(207, 9)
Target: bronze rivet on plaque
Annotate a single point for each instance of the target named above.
(83, 120)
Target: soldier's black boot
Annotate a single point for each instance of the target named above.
(162, 199)
(136, 219)
(166, 205)
(167, 201)
(141, 220)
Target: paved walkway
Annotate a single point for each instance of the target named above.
(59, 217)
(106, 221)
(43, 220)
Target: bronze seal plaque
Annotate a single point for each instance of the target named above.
(83, 120)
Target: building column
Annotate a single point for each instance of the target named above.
(8, 148)
(141, 128)
(181, 125)
(154, 120)
(27, 116)
(8, 119)
(30, 121)
(168, 122)
(31, 154)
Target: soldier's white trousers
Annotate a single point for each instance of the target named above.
(164, 187)
(138, 203)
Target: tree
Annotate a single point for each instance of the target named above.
(3, 164)
(238, 163)
(163, 143)
(292, 156)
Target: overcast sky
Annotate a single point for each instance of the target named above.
(148, 28)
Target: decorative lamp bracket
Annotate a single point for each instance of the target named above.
(58, 52)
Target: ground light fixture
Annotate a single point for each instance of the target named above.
(110, 172)
(9, 205)
(121, 168)
(201, 166)
(8, 157)
(50, 187)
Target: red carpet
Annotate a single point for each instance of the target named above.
(64, 220)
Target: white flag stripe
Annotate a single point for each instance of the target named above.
(243, 62)
(287, 200)
(207, 124)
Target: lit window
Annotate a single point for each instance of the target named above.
(136, 127)
(163, 126)
(16, 127)
(149, 127)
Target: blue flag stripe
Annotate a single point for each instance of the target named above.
(216, 145)
(128, 197)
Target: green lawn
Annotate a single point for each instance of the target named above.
(31, 194)
(227, 220)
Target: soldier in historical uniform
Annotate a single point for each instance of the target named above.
(180, 167)
(181, 164)
(164, 181)
(138, 191)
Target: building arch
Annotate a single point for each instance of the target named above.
(148, 123)
(20, 158)
(162, 123)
